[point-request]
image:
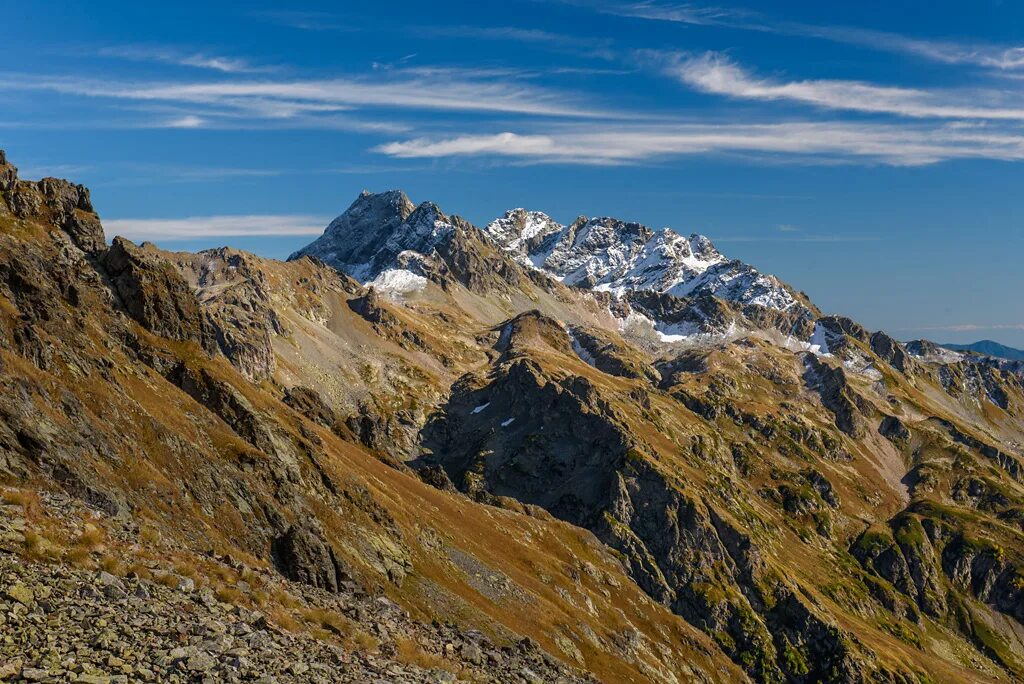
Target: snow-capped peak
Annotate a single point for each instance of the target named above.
(609, 254)
(524, 234)
(385, 231)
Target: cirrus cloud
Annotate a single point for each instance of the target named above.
(896, 145)
(261, 225)
(714, 73)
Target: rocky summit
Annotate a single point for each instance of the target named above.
(423, 451)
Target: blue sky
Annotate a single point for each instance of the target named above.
(871, 154)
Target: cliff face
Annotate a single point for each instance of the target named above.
(454, 464)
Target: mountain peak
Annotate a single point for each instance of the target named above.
(989, 348)
(602, 253)
(356, 235)
(609, 254)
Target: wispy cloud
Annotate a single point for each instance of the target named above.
(449, 90)
(187, 121)
(898, 145)
(168, 55)
(512, 33)
(715, 73)
(998, 57)
(261, 225)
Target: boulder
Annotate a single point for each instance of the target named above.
(303, 555)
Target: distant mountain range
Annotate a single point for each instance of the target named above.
(423, 450)
(989, 348)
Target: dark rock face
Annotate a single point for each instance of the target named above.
(893, 429)
(437, 477)
(310, 404)
(155, 294)
(303, 555)
(374, 309)
(841, 325)
(837, 396)
(475, 263)
(359, 233)
(558, 431)
(677, 547)
(892, 352)
(225, 401)
(611, 358)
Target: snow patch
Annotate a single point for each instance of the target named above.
(398, 281)
(819, 342)
(581, 352)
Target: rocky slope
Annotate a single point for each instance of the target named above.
(168, 397)
(455, 459)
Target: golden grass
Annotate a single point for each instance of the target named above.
(139, 570)
(113, 565)
(362, 641)
(328, 620)
(283, 619)
(282, 598)
(78, 557)
(33, 545)
(187, 570)
(91, 537)
(29, 501)
(411, 653)
(167, 580)
(226, 594)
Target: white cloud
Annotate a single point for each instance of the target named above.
(415, 89)
(898, 145)
(714, 73)
(998, 57)
(187, 121)
(198, 60)
(263, 225)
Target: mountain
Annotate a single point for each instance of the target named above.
(423, 451)
(989, 348)
(616, 256)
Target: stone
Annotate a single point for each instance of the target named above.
(22, 594)
(303, 555)
(200, 662)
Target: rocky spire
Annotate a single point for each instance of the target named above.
(8, 174)
(62, 204)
